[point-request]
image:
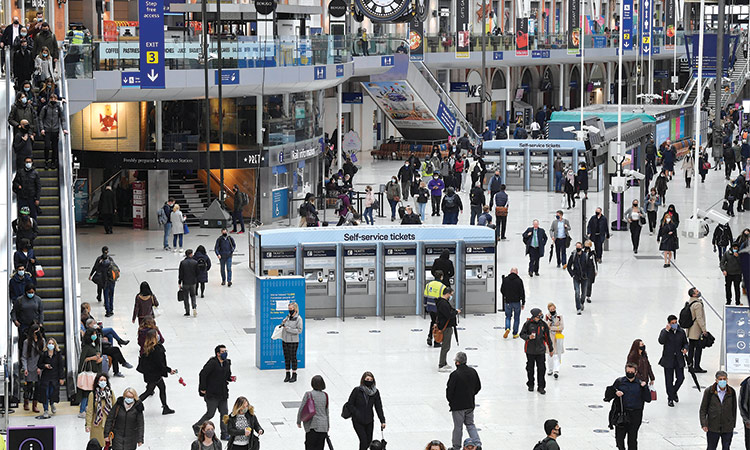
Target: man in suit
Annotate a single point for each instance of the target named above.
(535, 239)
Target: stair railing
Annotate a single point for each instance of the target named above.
(8, 363)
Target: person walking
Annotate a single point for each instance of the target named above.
(639, 357)
(423, 196)
(578, 269)
(688, 167)
(164, 216)
(27, 185)
(369, 201)
(107, 208)
(362, 400)
(436, 186)
(501, 212)
(718, 413)
(393, 194)
(317, 426)
(101, 401)
(461, 390)
(90, 358)
(629, 395)
(514, 299)
(476, 201)
(308, 215)
(598, 230)
(290, 333)
(494, 186)
(731, 268)
(582, 180)
(405, 175)
(52, 376)
(668, 238)
(98, 272)
(224, 249)
(446, 322)
(18, 282)
(744, 405)
(153, 366)
(178, 227)
(124, 427)
(33, 347)
(410, 217)
(432, 291)
(451, 206)
(653, 201)
(569, 188)
(536, 334)
(207, 439)
(559, 231)
(243, 426)
(556, 326)
(241, 200)
(535, 240)
(636, 219)
(696, 330)
(145, 302)
(213, 386)
(675, 347)
(187, 280)
(204, 265)
(721, 239)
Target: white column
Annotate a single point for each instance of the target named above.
(608, 93)
(562, 85)
(259, 120)
(159, 120)
(339, 117)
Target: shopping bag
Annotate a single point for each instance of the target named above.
(85, 379)
(185, 228)
(39, 271)
(277, 333)
(653, 394)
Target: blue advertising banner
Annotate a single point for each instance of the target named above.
(599, 41)
(280, 201)
(627, 25)
(227, 76)
(446, 117)
(737, 339)
(646, 27)
(151, 38)
(273, 295)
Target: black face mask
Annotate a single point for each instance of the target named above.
(369, 383)
(559, 432)
(630, 375)
(643, 348)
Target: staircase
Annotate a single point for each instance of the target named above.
(192, 195)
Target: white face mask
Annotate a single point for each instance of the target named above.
(29, 165)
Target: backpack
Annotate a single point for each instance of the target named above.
(686, 317)
(482, 220)
(161, 216)
(202, 265)
(113, 273)
(429, 169)
(450, 202)
(303, 210)
(542, 445)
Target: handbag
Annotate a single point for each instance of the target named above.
(653, 394)
(501, 211)
(39, 271)
(85, 379)
(182, 295)
(308, 411)
(346, 413)
(437, 333)
(277, 333)
(185, 228)
(642, 220)
(376, 205)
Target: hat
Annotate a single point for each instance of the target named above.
(549, 425)
(535, 312)
(470, 441)
(25, 210)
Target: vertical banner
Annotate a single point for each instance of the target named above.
(151, 34)
(463, 37)
(671, 34)
(646, 27)
(81, 199)
(627, 25)
(522, 36)
(139, 204)
(416, 39)
(574, 27)
(272, 298)
(736, 351)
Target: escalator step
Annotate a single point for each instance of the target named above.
(49, 260)
(45, 292)
(49, 282)
(48, 220)
(49, 200)
(46, 240)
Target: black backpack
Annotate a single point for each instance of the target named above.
(202, 264)
(450, 202)
(303, 209)
(542, 445)
(686, 317)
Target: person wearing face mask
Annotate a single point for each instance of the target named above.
(731, 268)
(446, 321)
(718, 413)
(23, 35)
(405, 176)
(462, 388)
(598, 231)
(124, 427)
(89, 360)
(224, 249)
(721, 239)
(535, 240)
(23, 146)
(436, 186)
(100, 403)
(214, 388)
(45, 38)
(45, 68)
(51, 377)
(553, 431)
(675, 344)
(52, 121)
(290, 333)
(639, 357)
(743, 240)
(10, 33)
(688, 167)
(653, 201)
(27, 310)
(578, 269)
(696, 330)
(27, 185)
(362, 400)
(33, 347)
(636, 219)
(629, 395)
(556, 326)
(243, 426)
(23, 63)
(559, 231)
(18, 282)
(730, 192)
(393, 194)
(536, 334)
(668, 239)
(207, 439)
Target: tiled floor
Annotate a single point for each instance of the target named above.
(631, 299)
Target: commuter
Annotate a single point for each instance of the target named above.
(500, 131)
(52, 376)
(204, 265)
(446, 321)
(675, 343)
(393, 194)
(178, 227)
(459, 168)
(21, 110)
(737, 149)
(496, 181)
(553, 431)
(536, 334)
(52, 121)
(214, 388)
(207, 439)
(556, 326)
(476, 201)
(100, 403)
(582, 181)
(696, 329)
(452, 207)
(558, 166)
(124, 427)
(164, 216)
(461, 390)
(153, 365)
(639, 357)
(26, 230)
(364, 42)
(106, 347)
(90, 358)
(145, 302)
(487, 134)
(23, 141)
(520, 131)
(23, 61)
(435, 445)
(668, 156)
(308, 215)
(423, 196)
(653, 201)
(44, 68)
(730, 193)
(242, 426)
(27, 186)
(241, 200)
(501, 212)
(27, 310)
(187, 279)
(361, 402)
(535, 128)
(290, 334)
(688, 167)
(18, 282)
(629, 394)
(559, 231)
(99, 270)
(718, 413)
(485, 219)
(406, 177)
(107, 208)
(731, 268)
(43, 37)
(668, 238)
(650, 151)
(88, 321)
(410, 217)
(316, 428)
(636, 220)
(661, 186)
(443, 266)
(722, 237)
(111, 274)
(224, 249)
(743, 240)
(148, 324)
(744, 404)
(477, 170)
(369, 201)
(598, 230)
(569, 189)
(33, 347)
(432, 291)
(10, 33)
(514, 299)
(535, 239)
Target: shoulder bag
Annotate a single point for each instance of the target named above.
(85, 380)
(277, 333)
(437, 333)
(501, 211)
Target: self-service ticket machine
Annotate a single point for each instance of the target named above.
(319, 270)
(481, 282)
(400, 278)
(538, 170)
(359, 280)
(278, 261)
(514, 173)
(431, 253)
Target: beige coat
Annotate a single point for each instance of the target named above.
(97, 431)
(556, 325)
(699, 320)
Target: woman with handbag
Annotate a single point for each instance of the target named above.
(178, 227)
(636, 219)
(125, 426)
(33, 347)
(360, 404)
(638, 356)
(153, 365)
(52, 376)
(207, 439)
(242, 426)
(99, 406)
(556, 326)
(98, 272)
(90, 363)
(290, 332)
(667, 238)
(313, 415)
(145, 302)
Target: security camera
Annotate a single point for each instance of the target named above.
(713, 216)
(591, 129)
(570, 129)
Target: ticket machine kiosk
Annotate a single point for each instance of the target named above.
(432, 252)
(278, 261)
(481, 282)
(400, 277)
(360, 280)
(319, 270)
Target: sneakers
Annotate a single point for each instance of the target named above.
(446, 368)
(127, 365)
(195, 312)
(54, 408)
(166, 411)
(578, 312)
(515, 336)
(82, 415)
(46, 415)
(119, 375)
(507, 332)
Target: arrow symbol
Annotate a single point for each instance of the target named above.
(152, 75)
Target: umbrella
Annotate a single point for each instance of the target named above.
(551, 251)
(692, 373)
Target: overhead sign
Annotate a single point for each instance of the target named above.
(497, 56)
(320, 72)
(446, 118)
(351, 98)
(459, 86)
(227, 76)
(131, 80)
(627, 24)
(265, 7)
(646, 27)
(151, 34)
(337, 8)
(386, 61)
(540, 54)
(339, 70)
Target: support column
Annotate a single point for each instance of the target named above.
(507, 103)
(158, 193)
(608, 94)
(158, 125)
(562, 86)
(339, 118)
(259, 120)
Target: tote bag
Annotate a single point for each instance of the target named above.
(277, 333)
(85, 380)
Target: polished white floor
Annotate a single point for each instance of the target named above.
(631, 299)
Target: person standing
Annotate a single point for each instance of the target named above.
(145, 302)
(165, 219)
(90, 358)
(635, 219)
(153, 365)
(559, 231)
(732, 271)
(393, 194)
(316, 428)
(675, 343)
(98, 272)
(536, 334)
(558, 166)
(688, 167)
(556, 326)
(514, 299)
(461, 390)
(178, 227)
(569, 189)
(214, 388)
(27, 185)
(242, 426)
(410, 217)
(33, 347)
(667, 238)
(494, 185)
(582, 180)
(101, 400)
(451, 206)
(423, 196)
(405, 176)
(721, 239)
(598, 230)
(718, 413)
(653, 201)
(369, 201)
(630, 395)
(27, 310)
(51, 121)
(290, 333)
(224, 249)
(435, 186)
(476, 201)
(18, 282)
(744, 404)
(187, 280)
(432, 291)
(107, 208)
(125, 425)
(535, 239)
(204, 265)
(241, 200)
(361, 402)
(578, 269)
(697, 330)
(446, 322)
(52, 376)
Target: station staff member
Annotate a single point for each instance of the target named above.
(432, 292)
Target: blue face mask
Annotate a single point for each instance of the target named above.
(224, 355)
(128, 400)
(673, 326)
(722, 383)
(50, 346)
(26, 89)
(30, 294)
(93, 337)
(21, 273)
(24, 100)
(102, 384)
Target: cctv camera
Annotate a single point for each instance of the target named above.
(570, 129)
(591, 129)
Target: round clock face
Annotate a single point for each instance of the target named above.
(383, 10)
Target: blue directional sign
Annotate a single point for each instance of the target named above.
(497, 56)
(540, 53)
(131, 79)
(339, 70)
(627, 25)
(646, 27)
(386, 61)
(151, 32)
(320, 72)
(227, 76)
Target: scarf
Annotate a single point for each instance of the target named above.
(103, 404)
(369, 391)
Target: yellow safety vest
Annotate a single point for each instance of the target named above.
(76, 38)
(434, 289)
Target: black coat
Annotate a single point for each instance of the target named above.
(445, 266)
(23, 64)
(476, 196)
(445, 314)
(154, 365)
(22, 148)
(668, 242)
(360, 406)
(597, 228)
(188, 272)
(53, 374)
(411, 219)
(27, 184)
(463, 386)
(541, 339)
(541, 239)
(578, 266)
(19, 111)
(126, 425)
(673, 342)
(98, 272)
(233, 431)
(202, 274)
(107, 202)
(214, 378)
(512, 289)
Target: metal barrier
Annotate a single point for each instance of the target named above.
(8, 374)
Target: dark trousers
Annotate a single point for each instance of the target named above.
(747, 437)
(237, 218)
(651, 220)
(189, 297)
(560, 251)
(695, 351)
(212, 404)
(150, 387)
(712, 439)
(107, 220)
(502, 222)
(728, 166)
(116, 355)
(476, 210)
(433, 321)
(598, 242)
(534, 259)
(673, 378)
(730, 280)
(202, 287)
(537, 360)
(315, 440)
(436, 204)
(635, 234)
(290, 355)
(720, 250)
(364, 433)
(571, 200)
(51, 144)
(492, 198)
(629, 430)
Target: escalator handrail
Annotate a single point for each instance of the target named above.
(8, 374)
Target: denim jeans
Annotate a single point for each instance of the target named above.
(226, 265)
(580, 287)
(368, 216)
(476, 210)
(422, 207)
(109, 298)
(48, 389)
(111, 334)
(167, 231)
(84, 401)
(393, 204)
(450, 218)
(237, 218)
(558, 181)
(512, 309)
(174, 240)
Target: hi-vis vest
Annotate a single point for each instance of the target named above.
(432, 292)
(76, 37)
